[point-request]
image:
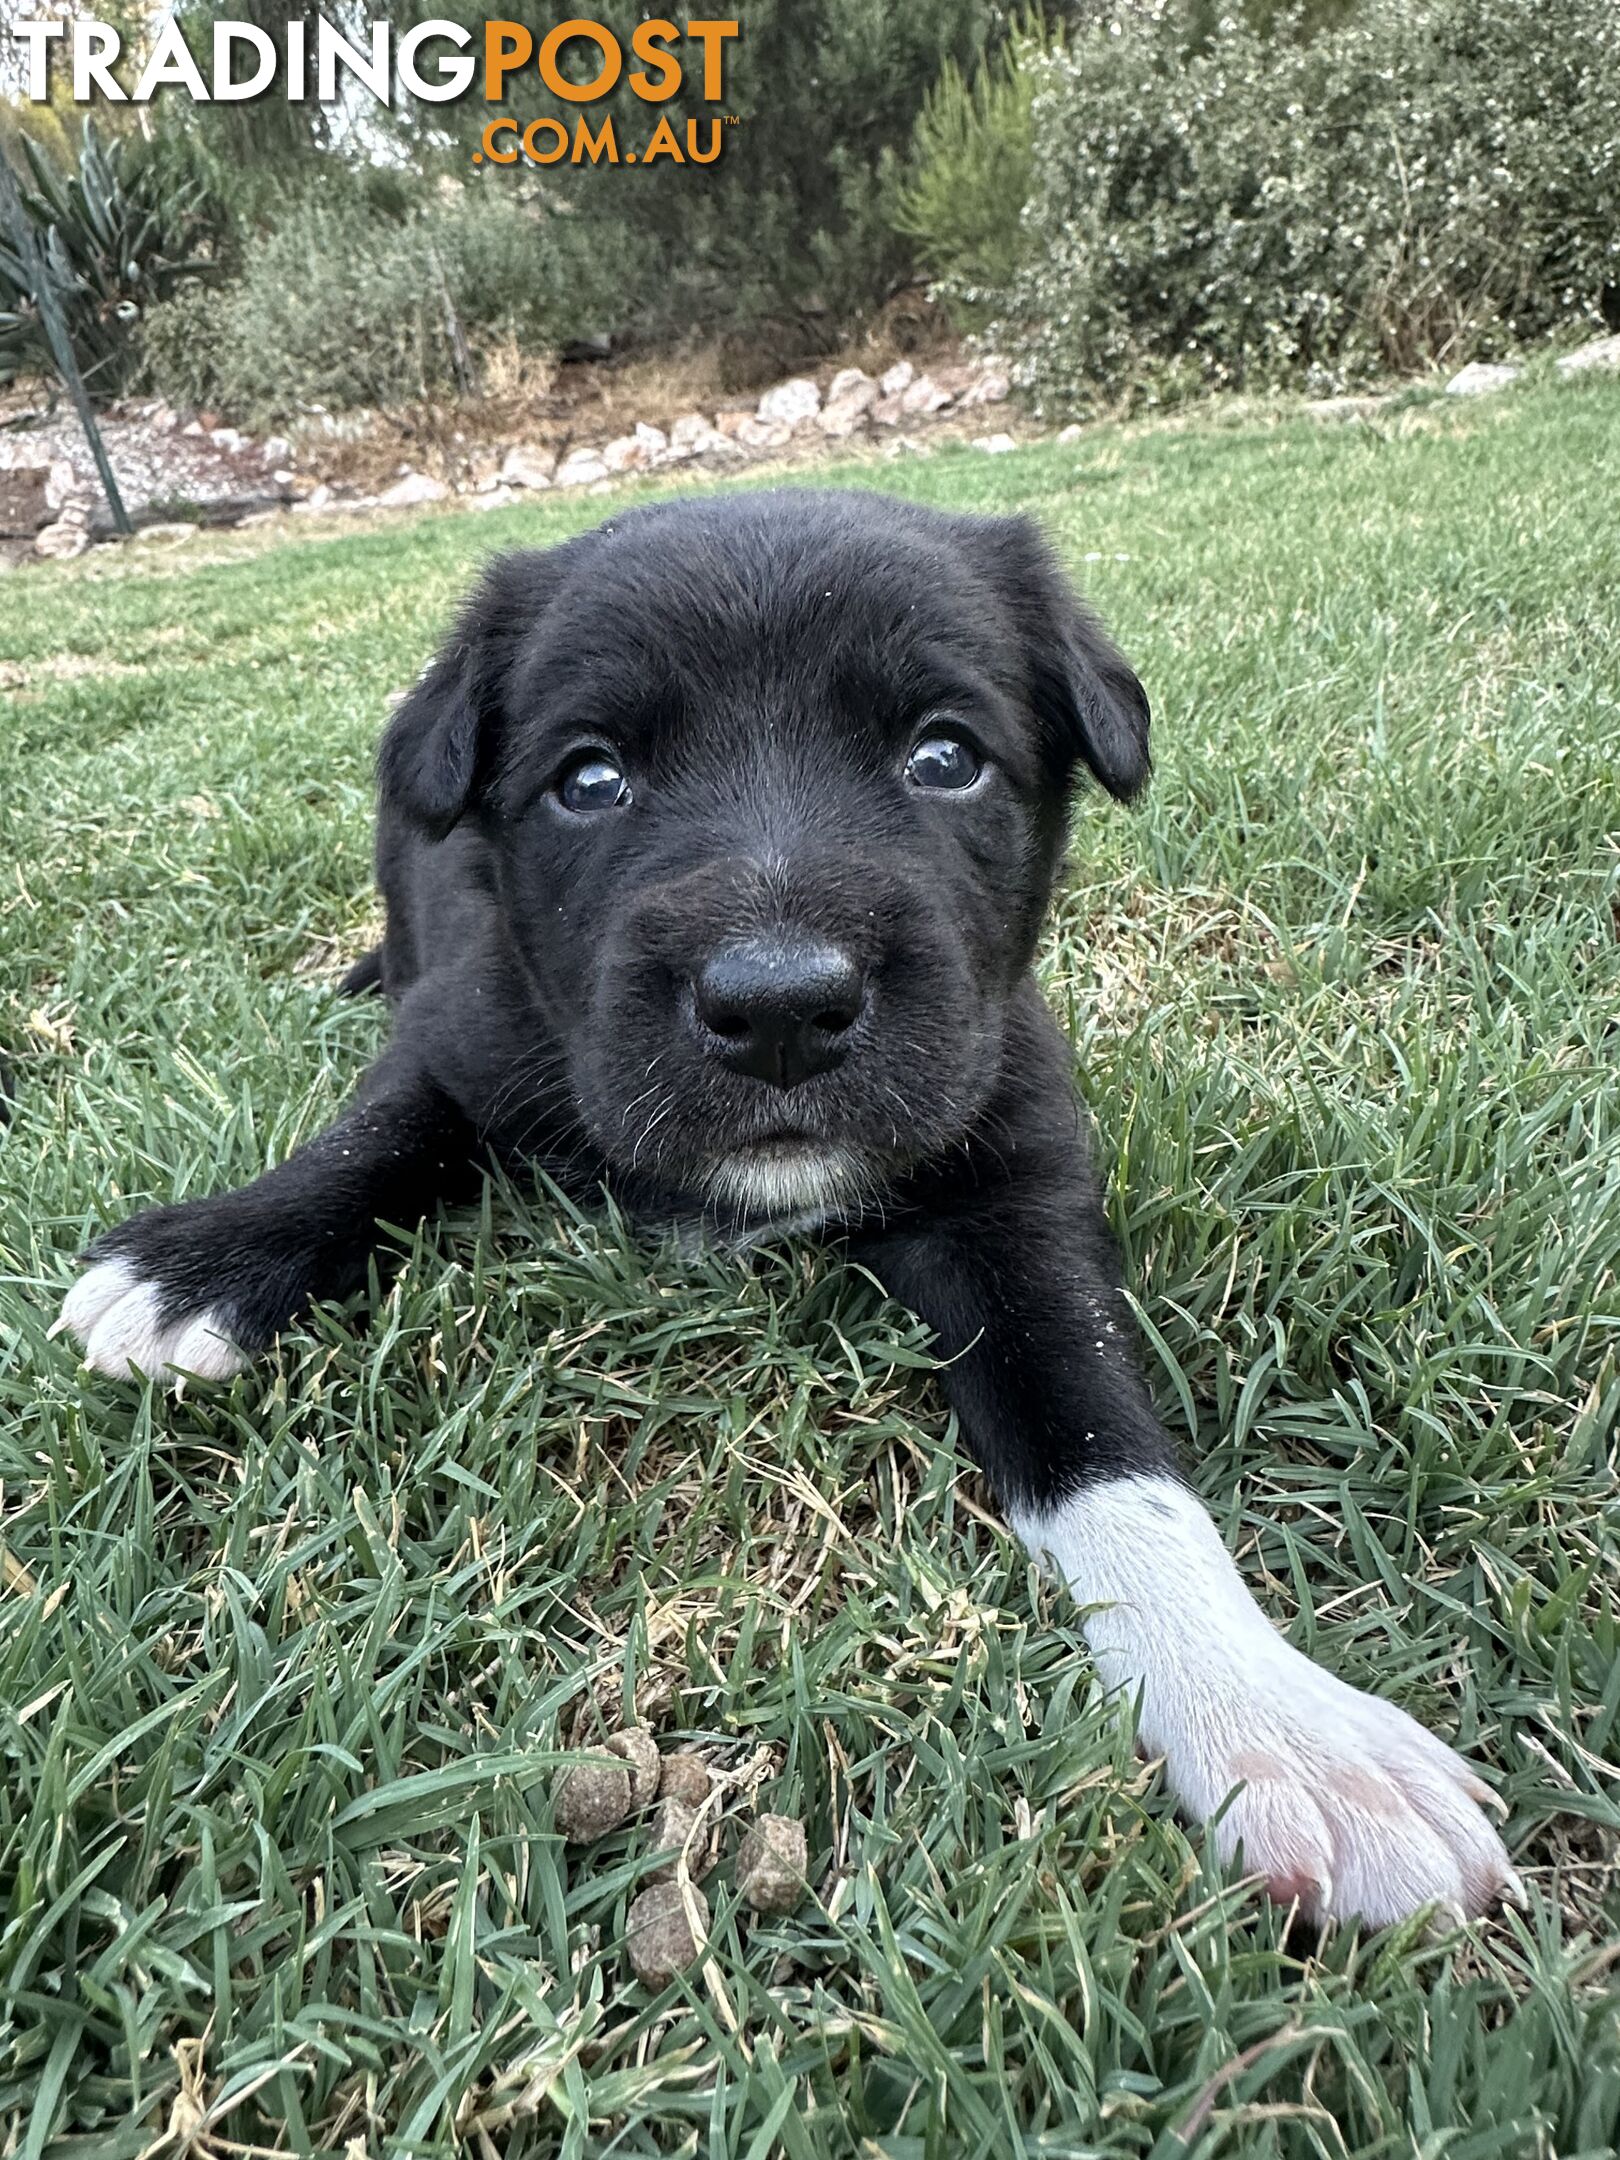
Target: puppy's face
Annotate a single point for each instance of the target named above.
(775, 790)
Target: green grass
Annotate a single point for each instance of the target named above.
(286, 1667)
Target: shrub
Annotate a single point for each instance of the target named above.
(342, 306)
(1430, 178)
(972, 168)
(117, 239)
(792, 224)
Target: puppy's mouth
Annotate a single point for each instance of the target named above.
(785, 1176)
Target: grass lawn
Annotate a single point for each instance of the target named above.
(285, 1668)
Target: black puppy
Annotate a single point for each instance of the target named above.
(715, 845)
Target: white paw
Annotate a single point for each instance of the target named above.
(1338, 1801)
(116, 1317)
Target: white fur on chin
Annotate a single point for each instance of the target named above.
(788, 1182)
(1342, 1801)
(115, 1315)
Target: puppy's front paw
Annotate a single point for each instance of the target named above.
(1342, 1802)
(127, 1324)
(192, 1290)
(1338, 1800)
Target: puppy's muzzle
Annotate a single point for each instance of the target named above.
(780, 1009)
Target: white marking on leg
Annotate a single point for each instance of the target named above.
(118, 1319)
(1346, 1803)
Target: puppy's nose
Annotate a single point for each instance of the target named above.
(780, 1010)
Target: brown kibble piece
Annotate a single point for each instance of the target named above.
(672, 1826)
(637, 1747)
(772, 1863)
(659, 1931)
(684, 1777)
(589, 1799)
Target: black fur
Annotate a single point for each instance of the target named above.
(761, 666)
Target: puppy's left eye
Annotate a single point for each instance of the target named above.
(943, 761)
(593, 782)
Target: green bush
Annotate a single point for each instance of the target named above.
(972, 167)
(1429, 181)
(342, 306)
(785, 243)
(791, 226)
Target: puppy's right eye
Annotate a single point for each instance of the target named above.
(593, 782)
(945, 762)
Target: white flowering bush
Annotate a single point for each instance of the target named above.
(1430, 180)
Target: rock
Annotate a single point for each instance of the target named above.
(993, 387)
(658, 1931)
(994, 445)
(1070, 434)
(732, 421)
(763, 434)
(162, 418)
(589, 1799)
(956, 379)
(227, 439)
(318, 498)
(277, 450)
(1603, 352)
(283, 476)
(625, 454)
(636, 1747)
(172, 533)
(924, 396)
(850, 396)
(674, 1835)
(695, 435)
(579, 469)
(24, 504)
(414, 488)
(650, 446)
(850, 382)
(498, 497)
(792, 403)
(1480, 377)
(900, 377)
(684, 1776)
(69, 536)
(195, 427)
(772, 1863)
(888, 411)
(527, 466)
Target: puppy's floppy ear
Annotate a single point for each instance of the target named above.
(444, 738)
(1086, 697)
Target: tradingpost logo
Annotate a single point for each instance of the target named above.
(578, 61)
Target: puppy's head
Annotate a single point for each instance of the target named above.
(775, 791)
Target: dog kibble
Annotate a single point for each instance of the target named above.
(637, 1747)
(659, 1933)
(684, 1777)
(589, 1799)
(673, 1824)
(772, 1863)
